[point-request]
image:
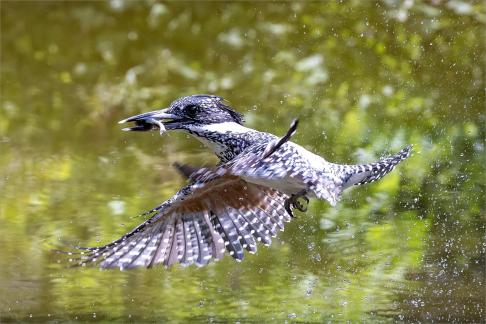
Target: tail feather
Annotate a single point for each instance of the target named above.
(366, 173)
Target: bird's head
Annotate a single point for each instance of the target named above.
(186, 112)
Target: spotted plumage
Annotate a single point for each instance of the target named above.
(244, 200)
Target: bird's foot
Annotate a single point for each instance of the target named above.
(295, 202)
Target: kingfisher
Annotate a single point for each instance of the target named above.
(245, 199)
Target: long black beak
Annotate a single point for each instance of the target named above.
(149, 121)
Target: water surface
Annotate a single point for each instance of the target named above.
(365, 79)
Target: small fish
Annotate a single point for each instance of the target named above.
(162, 129)
(146, 125)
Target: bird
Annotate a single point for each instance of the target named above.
(247, 198)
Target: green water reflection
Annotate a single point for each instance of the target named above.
(366, 78)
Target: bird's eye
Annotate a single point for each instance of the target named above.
(191, 110)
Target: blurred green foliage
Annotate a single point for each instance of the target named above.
(365, 78)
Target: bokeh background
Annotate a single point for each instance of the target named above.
(366, 78)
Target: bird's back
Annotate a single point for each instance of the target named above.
(292, 169)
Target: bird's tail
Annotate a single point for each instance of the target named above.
(365, 173)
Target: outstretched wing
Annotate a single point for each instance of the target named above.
(197, 225)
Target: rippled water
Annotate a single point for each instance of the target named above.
(365, 79)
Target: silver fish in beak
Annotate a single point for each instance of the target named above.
(150, 121)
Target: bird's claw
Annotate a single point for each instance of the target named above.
(294, 202)
(299, 205)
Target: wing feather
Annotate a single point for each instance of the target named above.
(148, 253)
(197, 225)
(257, 227)
(247, 240)
(229, 233)
(202, 249)
(137, 253)
(165, 244)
